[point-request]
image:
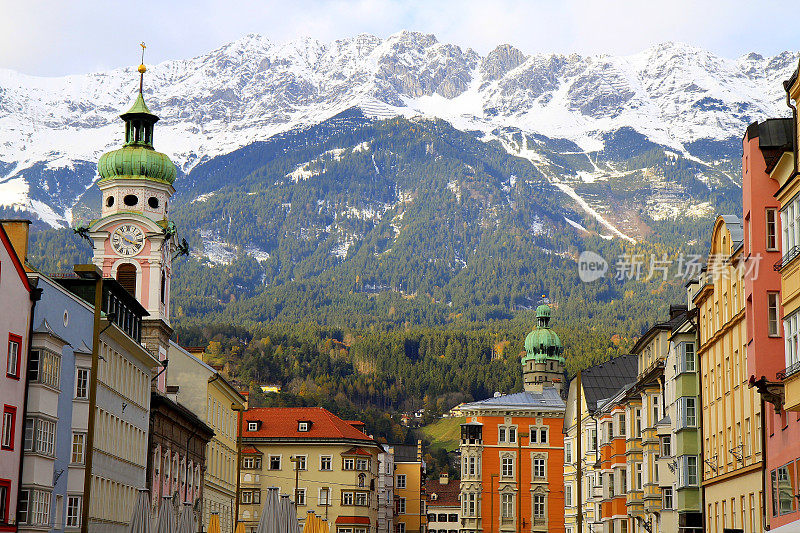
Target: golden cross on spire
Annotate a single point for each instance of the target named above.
(142, 68)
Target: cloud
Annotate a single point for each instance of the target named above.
(56, 38)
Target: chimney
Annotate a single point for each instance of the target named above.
(17, 231)
(444, 478)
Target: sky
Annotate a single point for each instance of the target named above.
(55, 38)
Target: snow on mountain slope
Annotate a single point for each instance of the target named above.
(52, 130)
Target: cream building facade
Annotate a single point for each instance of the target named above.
(208, 395)
(731, 462)
(327, 465)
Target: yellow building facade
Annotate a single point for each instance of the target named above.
(327, 465)
(732, 458)
(205, 392)
(788, 190)
(409, 469)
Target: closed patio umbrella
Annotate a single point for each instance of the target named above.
(213, 524)
(186, 522)
(166, 516)
(140, 521)
(239, 528)
(268, 523)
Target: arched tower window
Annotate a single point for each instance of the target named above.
(126, 275)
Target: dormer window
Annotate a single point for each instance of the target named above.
(303, 425)
(253, 425)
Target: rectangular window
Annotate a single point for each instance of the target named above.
(687, 471)
(12, 363)
(791, 327)
(611, 485)
(362, 464)
(326, 462)
(687, 412)
(23, 506)
(33, 365)
(623, 481)
(638, 467)
(347, 498)
(9, 424)
(686, 357)
(300, 497)
(507, 506)
(666, 446)
(568, 452)
(82, 384)
(324, 496)
(539, 468)
(247, 497)
(638, 423)
(401, 505)
(784, 489)
(274, 462)
(5, 492)
(666, 497)
(512, 435)
(772, 229)
(538, 506)
(543, 435)
(78, 446)
(252, 426)
(401, 481)
(773, 313)
(300, 462)
(349, 464)
(361, 499)
(621, 425)
(507, 467)
(534, 434)
(501, 437)
(567, 495)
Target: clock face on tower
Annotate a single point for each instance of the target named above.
(127, 240)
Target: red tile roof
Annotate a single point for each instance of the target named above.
(446, 495)
(356, 450)
(282, 423)
(251, 450)
(353, 520)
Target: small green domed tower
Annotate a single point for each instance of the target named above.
(543, 363)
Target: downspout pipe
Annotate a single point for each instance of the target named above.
(36, 295)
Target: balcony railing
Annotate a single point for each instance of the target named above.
(793, 252)
(794, 368)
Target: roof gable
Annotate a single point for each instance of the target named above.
(14, 259)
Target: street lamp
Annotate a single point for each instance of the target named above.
(91, 272)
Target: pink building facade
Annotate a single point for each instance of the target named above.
(15, 313)
(763, 144)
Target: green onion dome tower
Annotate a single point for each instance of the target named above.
(543, 363)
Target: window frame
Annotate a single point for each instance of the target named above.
(72, 453)
(9, 429)
(774, 297)
(13, 340)
(82, 387)
(398, 484)
(771, 223)
(322, 459)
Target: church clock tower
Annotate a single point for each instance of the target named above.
(134, 238)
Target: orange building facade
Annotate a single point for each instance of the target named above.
(512, 452)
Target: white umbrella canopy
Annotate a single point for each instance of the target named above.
(166, 516)
(268, 523)
(140, 521)
(287, 516)
(186, 522)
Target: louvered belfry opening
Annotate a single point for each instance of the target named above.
(126, 275)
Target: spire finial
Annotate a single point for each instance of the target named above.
(142, 68)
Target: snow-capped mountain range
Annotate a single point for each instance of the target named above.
(52, 130)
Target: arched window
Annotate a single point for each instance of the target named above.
(362, 480)
(126, 275)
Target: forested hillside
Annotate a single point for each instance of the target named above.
(375, 267)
